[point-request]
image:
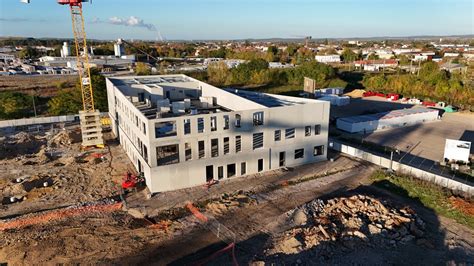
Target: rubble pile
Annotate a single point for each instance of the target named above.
(359, 220)
(63, 138)
(230, 201)
(20, 144)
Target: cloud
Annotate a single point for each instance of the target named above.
(132, 21)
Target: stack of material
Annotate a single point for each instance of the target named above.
(350, 222)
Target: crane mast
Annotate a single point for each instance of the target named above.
(91, 127)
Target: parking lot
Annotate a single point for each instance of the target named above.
(423, 140)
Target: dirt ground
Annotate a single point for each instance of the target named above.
(47, 171)
(78, 218)
(256, 220)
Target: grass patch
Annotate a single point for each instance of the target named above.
(431, 196)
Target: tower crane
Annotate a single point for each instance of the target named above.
(91, 127)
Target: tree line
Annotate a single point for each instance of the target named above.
(431, 83)
(257, 72)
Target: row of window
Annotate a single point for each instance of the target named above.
(169, 154)
(131, 116)
(168, 128)
(290, 132)
(231, 170)
(317, 150)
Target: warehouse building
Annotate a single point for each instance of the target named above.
(386, 120)
(181, 132)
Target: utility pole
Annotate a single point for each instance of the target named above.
(34, 105)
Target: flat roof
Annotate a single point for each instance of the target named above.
(151, 80)
(269, 100)
(386, 115)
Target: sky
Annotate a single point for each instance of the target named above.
(241, 19)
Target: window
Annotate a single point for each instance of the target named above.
(226, 145)
(289, 133)
(144, 128)
(226, 122)
(318, 150)
(187, 126)
(230, 170)
(257, 140)
(238, 143)
(213, 123)
(260, 165)
(214, 147)
(307, 131)
(258, 118)
(145, 153)
(168, 154)
(165, 129)
(317, 129)
(299, 153)
(243, 168)
(187, 151)
(201, 150)
(200, 125)
(220, 172)
(237, 120)
(277, 135)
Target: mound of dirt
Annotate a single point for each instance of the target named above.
(348, 222)
(64, 138)
(20, 144)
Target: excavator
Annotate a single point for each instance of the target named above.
(91, 127)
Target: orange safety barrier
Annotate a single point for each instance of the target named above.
(196, 212)
(57, 215)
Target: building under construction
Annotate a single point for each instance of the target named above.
(181, 132)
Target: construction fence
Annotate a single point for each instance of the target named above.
(24, 124)
(382, 161)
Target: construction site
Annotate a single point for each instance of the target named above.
(63, 205)
(117, 187)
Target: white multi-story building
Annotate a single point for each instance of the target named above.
(181, 132)
(332, 58)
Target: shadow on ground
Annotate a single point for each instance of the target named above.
(433, 252)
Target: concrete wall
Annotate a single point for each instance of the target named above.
(403, 168)
(37, 120)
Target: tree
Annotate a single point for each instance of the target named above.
(15, 105)
(292, 49)
(69, 101)
(348, 55)
(142, 69)
(28, 53)
(373, 56)
(217, 73)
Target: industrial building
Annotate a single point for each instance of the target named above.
(181, 132)
(386, 120)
